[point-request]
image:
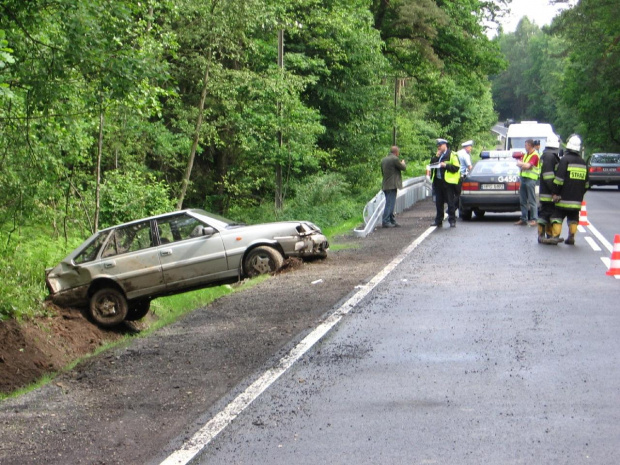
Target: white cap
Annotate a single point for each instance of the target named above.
(467, 143)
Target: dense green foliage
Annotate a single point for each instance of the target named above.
(117, 109)
(567, 74)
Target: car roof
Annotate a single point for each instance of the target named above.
(193, 211)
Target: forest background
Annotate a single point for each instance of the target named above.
(112, 110)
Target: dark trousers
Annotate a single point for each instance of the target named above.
(545, 212)
(390, 203)
(571, 215)
(445, 193)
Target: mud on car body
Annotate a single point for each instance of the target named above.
(119, 270)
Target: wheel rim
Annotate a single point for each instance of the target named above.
(107, 307)
(261, 264)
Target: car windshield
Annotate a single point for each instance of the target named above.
(506, 166)
(606, 158)
(519, 142)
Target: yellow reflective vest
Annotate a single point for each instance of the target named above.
(533, 173)
(451, 178)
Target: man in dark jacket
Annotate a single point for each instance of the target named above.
(569, 187)
(549, 159)
(391, 167)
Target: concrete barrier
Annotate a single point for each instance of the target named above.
(414, 190)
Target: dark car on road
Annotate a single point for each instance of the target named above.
(604, 169)
(492, 185)
(119, 270)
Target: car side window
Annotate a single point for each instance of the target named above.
(179, 228)
(129, 239)
(91, 251)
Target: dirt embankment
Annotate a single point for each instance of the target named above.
(33, 348)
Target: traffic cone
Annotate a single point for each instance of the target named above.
(614, 266)
(583, 215)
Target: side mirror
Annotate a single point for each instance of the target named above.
(208, 231)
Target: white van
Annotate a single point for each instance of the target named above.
(518, 133)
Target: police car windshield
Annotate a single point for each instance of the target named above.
(490, 167)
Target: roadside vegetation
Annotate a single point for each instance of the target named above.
(566, 74)
(116, 110)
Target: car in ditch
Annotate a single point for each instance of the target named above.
(117, 271)
(604, 169)
(492, 185)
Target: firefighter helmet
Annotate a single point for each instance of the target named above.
(553, 142)
(574, 143)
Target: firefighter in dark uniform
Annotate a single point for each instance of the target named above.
(569, 187)
(549, 159)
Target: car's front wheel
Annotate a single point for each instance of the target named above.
(262, 260)
(108, 307)
(479, 213)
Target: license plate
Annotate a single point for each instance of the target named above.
(493, 187)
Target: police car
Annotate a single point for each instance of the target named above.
(492, 185)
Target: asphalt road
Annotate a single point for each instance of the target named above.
(481, 346)
(603, 206)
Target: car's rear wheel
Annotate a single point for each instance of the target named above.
(479, 213)
(262, 260)
(108, 307)
(465, 213)
(138, 309)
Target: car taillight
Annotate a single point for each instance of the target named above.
(470, 186)
(513, 186)
(618, 169)
(595, 169)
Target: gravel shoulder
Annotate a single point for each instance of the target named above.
(125, 405)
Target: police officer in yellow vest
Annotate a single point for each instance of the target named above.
(445, 178)
(530, 172)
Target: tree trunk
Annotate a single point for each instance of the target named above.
(192, 155)
(98, 172)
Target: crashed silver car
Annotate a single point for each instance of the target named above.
(117, 271)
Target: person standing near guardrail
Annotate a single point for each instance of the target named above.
(391, 168)
(445, 175)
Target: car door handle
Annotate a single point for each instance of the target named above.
(164, 253)
(109, 264)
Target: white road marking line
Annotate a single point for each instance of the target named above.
(600, 237)
(593, 244)
(213, 427)
(581, 229)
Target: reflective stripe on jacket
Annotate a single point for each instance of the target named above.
(571, 181)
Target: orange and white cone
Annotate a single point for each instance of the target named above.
(614, 266)
(583, 215)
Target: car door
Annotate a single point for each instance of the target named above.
(131, 258)
(188, 257)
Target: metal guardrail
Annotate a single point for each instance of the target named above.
(414, 190)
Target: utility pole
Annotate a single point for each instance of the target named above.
(279, 199)
(396, 97)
